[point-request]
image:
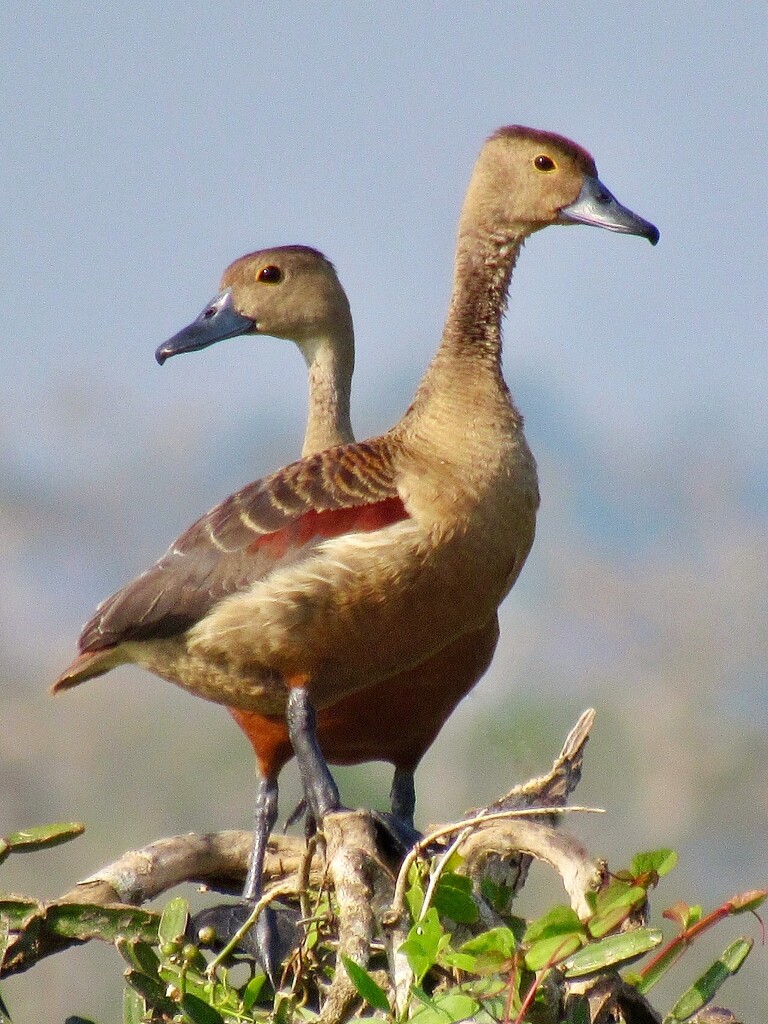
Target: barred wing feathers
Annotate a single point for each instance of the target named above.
(269, 524)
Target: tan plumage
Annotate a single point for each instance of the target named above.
(454, 481)
(370, 565)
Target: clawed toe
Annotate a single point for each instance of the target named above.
(397, 835)
(269, 942)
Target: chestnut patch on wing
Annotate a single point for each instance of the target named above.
(329, 523)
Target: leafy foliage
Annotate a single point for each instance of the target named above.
(516, 970)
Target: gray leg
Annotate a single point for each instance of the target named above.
(320, 790)
(267, 944)
(265, 933)
(264, 818)
(403, 796)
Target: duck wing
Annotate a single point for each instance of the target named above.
(269, 524)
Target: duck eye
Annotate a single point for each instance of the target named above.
(270, 275)
(544, 163)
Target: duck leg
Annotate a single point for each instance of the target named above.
(320, 791)
(273, 935)
(396, 827)
(264, 818)
(269, 948)
(402, 797)
(271, 939)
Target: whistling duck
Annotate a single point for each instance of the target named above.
(367, 559)
(293, 292)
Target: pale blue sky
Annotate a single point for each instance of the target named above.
(145, 146)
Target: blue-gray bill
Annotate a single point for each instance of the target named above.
(219, 320)
(597, 206)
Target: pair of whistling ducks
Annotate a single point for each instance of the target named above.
(364, 580)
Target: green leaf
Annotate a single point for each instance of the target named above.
(197, 1011)
(152, 991)
(458, 1005)
(659, 862)
(491, 950)
(42, 837)
(454, 862)
(618, 903)
(89, 921)
(620, 893)
(486, 988)
(18, 911)
(134, 1006)
(453, 898)
(414, 897)
(706, 987)
(735, 954)
(549, 951)
(369, 989)
(173, 922)
(615, 949)
(138, 955)
(460, 961)
(560, 920)
(453, 1006)
(422, 945)
(252, 991)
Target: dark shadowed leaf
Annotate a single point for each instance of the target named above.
(152, 991)
(453, 898)
(197, 1011)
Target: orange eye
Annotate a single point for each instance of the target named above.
(270, 275)
(544, 163)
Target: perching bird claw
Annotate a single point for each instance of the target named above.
(396, 835)
(269, 942)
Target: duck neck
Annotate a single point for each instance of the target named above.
(331, 362)
(482, 273)
(467, 366)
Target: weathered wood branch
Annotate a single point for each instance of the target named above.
(353, 864)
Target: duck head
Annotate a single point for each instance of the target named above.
(526, 179)
(291, 291)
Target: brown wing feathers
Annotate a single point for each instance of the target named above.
(268, 523)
